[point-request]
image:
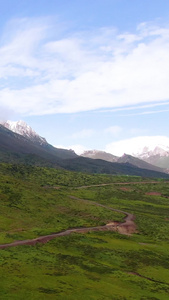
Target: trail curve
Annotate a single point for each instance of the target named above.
(126, 227)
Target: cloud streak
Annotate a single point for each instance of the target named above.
(146, 112)
(82, 71)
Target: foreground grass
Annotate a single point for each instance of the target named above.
(97, 265)
(92, 266)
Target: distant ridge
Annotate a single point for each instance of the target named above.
(126, 158)
(17, 149)
(96, 154)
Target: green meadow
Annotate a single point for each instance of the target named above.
(99, 265)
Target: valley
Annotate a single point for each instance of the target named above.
(39, 204)
(84, 150)
(74, 227)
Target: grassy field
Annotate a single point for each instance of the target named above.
(96, 265)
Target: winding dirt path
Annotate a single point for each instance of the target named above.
(119, 183)
(126, 227)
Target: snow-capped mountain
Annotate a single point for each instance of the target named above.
(156, 152)
(152, 149)
(25, 130)
(125, 158)
(158, 156)
(142, 146)
(146, 152)
(96, 154)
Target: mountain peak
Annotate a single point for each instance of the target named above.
(97, 154)
(22, 128)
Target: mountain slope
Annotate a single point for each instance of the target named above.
(158, 156)
(126, 158)
(159, 161)
(15, 147)
(25, 130)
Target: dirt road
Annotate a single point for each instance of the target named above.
(126, 227)
(119, 183)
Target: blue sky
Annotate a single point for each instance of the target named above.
(86, 74)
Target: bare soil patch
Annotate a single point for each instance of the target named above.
(125, 189)
(153, 193)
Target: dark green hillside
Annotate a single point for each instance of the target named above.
(51, 177)
(35, 201)
(100, 166)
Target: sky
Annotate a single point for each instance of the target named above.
(87, 74)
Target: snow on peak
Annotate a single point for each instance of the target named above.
(142, 147)
(22, 128)
(91, 152)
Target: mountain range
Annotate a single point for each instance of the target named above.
(125, 158)
(19, 143)
(157, 155)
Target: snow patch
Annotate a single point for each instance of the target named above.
(22, 128)
(141, 147)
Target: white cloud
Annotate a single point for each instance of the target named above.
(150, 112)
(83, 71)
(18, 53)
(135, 145)
(136, 107)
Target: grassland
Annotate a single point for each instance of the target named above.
(96, 265)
